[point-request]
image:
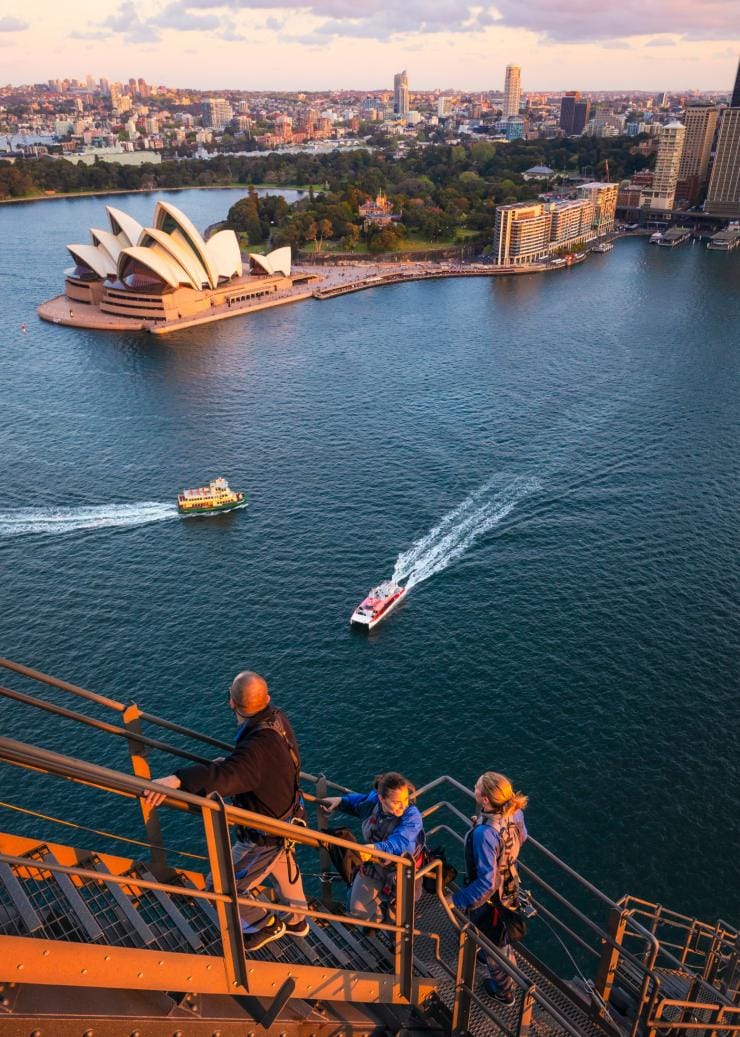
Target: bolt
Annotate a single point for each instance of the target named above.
(140, 975)
(47, 952)
(35, 1033)
(84, 973)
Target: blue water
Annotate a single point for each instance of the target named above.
(573, 621)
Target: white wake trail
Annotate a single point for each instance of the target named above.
(16, 522)
(458, 530)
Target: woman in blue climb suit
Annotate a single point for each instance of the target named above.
(491, 848)
(391, 823)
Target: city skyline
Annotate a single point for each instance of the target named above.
(322, 45)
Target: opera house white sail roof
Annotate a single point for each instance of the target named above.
(169, 254)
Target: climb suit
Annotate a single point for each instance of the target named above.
(373, 888)
(491, 848)
(262, 775)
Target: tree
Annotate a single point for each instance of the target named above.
(325, 230)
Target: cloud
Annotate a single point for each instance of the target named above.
(580, 20)
(9, 24)
(178, 16)
(661, 42)
(568, 21)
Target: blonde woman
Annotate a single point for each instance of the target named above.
(491, 848)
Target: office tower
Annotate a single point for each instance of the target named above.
(670, 144)
(735, 98)
(723, 196)
(401, 93)
(581, 113)
(512, 91)
(700, 122)
(567, 111)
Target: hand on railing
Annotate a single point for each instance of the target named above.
(155, 799)
(329, 804)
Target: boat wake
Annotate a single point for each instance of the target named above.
(57, 521)
(460, 528)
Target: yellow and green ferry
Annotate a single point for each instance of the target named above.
(208, 500)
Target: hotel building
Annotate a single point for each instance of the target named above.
(700, 122)
(723, 196)
(670, 145)
(512, 91)
(572, 223)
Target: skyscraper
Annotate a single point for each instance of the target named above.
(700, 122)
(670, 145)
(723, 196)
(401, 93)
(567, 111)
(512, 91)
(574, 113)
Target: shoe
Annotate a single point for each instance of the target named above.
(273, 930)
(299, 928)
(504, 997)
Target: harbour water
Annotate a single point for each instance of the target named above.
(551, 460)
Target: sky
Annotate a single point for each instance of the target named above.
(358, 44)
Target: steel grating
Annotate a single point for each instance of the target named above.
(489, 1017)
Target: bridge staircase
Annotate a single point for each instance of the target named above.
(97, 944)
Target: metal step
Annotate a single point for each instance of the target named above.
(22, 910)
(157, 909)
(57, 901)
(120, 907)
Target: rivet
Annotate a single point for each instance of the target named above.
(83, 972)
(136, 1033)
(19, 967)
(106, 957)
(47, 952)
(35, 1033)
(160, 963)
(218, 1032)
(189, 978)
(88, 1033)
(139, 975)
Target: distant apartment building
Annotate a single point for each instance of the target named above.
(723, 195)
(665, 177)
(401, 93)
(527, 232)
(217, 113)
(700, 122)
(512, 91)
(574, 113)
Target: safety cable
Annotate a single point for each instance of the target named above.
(97, 831)
(589, 985)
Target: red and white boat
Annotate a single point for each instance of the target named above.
(376, 606)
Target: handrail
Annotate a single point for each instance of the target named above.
(31, 757)
(121, 707)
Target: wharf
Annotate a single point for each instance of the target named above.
(335, 281)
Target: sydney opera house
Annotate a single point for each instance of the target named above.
(166, 272)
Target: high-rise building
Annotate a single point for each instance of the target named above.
(512, 91)
(567, 111)
(670, 145)
(581, 113)
(574, 113)
(723, 195)
(700, 122)
(401, 93)
(735, 98)
(217, 112)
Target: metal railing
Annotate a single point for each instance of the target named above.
(566, 917)
(711, 951)
(217, 818)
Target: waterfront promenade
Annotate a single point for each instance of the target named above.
(309, 282)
